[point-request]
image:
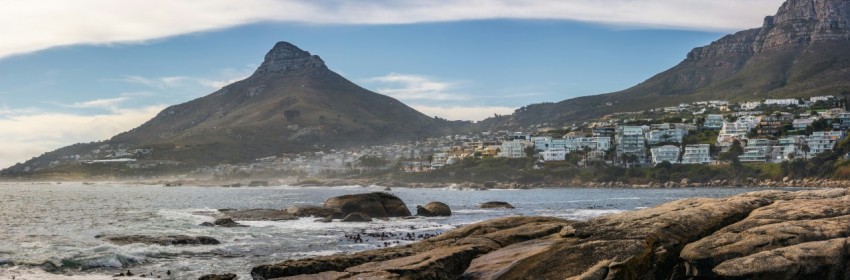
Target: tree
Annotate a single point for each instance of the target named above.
(806, 149)
(529, 151)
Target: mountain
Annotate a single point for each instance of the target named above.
(803, 50)
(291, 103)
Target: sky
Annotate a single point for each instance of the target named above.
(85, 70)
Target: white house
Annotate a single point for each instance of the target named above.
(750, 105)
(668, 153)
(714, 121)
(697, 154)
(630, 141)
(822, 141)
(665, 135)
(554, 155)
(783, 102)
(513, 149)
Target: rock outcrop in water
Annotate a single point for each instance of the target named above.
(759, 235)
(375, 205)
(160, 240)
(433, 209)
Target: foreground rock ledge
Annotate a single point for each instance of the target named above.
(759, 235)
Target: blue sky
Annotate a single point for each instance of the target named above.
(87, 70)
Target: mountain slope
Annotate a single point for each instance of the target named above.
(291, 103)
(804, 50)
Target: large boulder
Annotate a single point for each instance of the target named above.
(433, 209)
(496, 204)
(160, 240)
(376, 205)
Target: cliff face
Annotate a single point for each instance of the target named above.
(803, 50)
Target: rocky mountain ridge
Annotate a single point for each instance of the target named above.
(802, 50)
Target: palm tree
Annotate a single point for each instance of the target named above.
(806, 149)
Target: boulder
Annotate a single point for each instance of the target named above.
(433, 209)
(229, 276)
(258, 215)
(223, 222)
(496, 204)
(313, 211)
(357, 217)
(227, 222)
(160, 240)
(375, 205)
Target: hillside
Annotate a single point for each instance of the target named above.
(803, 50)
(292, 103)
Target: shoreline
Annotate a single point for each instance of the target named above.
(814, 183)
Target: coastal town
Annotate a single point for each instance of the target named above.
(765, 131)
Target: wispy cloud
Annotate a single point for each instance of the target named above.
(105, 103)
(472, 113)
(27, 133)
(62, 22)
(222, 78)
(408, 87)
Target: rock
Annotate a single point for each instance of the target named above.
(207, 224)
(357, 217)
(447, 251)
(227, 222)
(490, 184)
(496, 204)
(812, 260)
(376, 205)
(434, 209)
(781, 224)
(229, 276)
(314, 211)
(759, 235)
(258, 184)
(161, 240)
(258, 215)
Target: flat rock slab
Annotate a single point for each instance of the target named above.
(496, 204)
(160, 240)
(258, 215)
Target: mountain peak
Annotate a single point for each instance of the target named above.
(285, 57)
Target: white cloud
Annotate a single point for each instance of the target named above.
(36, 25)
(219, 80)
(415, 87)
(29, 133)
(463, 113)
(105, 103)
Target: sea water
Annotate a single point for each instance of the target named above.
(48, 231)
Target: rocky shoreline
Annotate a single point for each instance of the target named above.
(757, 235)
(684, 183)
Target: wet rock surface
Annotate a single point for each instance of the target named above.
(759, 235)
(434, 209)
(375, 205)
(160, 240)
(496, 204)
(257, 215)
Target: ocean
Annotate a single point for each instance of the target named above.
(48, 230)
